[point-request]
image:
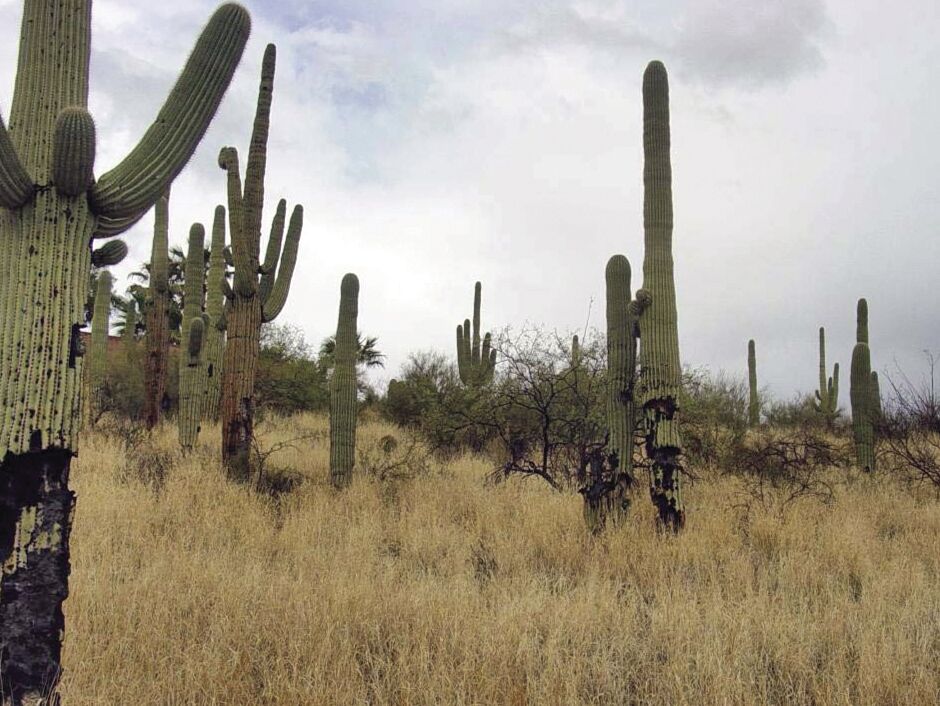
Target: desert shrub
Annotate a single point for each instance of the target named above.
(907, 432)
(714, 415)
(290, 378)
(392, 458)
(776, 467)
(797, 413)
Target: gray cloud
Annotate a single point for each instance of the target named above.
(750, 44)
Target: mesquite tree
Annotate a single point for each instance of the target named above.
(259, 291)
(51, 208)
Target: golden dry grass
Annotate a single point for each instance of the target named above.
(445, 591)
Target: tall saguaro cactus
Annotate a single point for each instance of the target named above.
(753, 405)
(827, 396)
(51, 206)
(861, 392)
(215, 331)
(343, 386)
(97, 356)
(476, 362)
(192, 369)
(158, 314)
(252, 302)
(659, 343)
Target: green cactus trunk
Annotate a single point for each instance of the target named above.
(192, 377)
(343, 404)
(660, 370)
(862, 393)
(753, 406)
(251, 302)
(51, 206)
(96, 359)
(215, 329)
(476, 361)
(622, 334)
(158, 315)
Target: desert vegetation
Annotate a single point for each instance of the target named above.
(539, 517)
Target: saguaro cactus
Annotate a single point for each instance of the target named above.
(215, 332)
(343, 386)
(192, 377)
(158, 314)
(862, 391)
(660, 371)
(252, 302)
(129, 339)
(753, 406)
(875, 397)
(575, 351)
(97, 356)
(827, 396)
(51, 206)
(623, 333)
(476, 363)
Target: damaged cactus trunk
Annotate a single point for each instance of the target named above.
(660, 372)
(51, 209)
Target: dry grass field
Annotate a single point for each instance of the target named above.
(443, 590)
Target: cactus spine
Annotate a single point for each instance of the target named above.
(476, 362)
(827, 396)
(753, 405)
(659, 344)
(97, 363)
(250, 302)
(862, 393)
(158, 314)
(215, 332)
(51, 207)
(343, 386)
(192, 369)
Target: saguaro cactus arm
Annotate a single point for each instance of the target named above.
(137, 182)
(273, 303)
(16, 186)
(111, 253)
(73, 151)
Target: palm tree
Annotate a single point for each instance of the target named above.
(368, 356)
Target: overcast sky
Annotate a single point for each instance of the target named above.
(435, 143)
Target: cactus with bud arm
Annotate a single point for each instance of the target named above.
(192, 378)
(827, 396)
(862, 391)
(215, 302)
(51, 207)
(251, 302)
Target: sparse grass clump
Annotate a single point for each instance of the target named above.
(434, 588)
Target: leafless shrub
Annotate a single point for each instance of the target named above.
(779, 467)
(389, 458)
(908, 428)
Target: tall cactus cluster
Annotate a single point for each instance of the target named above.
(158, 313)
(660, 372)
(343, 405)
(192, 378)
(51, 207)
(252, 302)
(863, 390)
(215, 329)
(476, 361)
(623, 333)
(827, 396)
(753, 401)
